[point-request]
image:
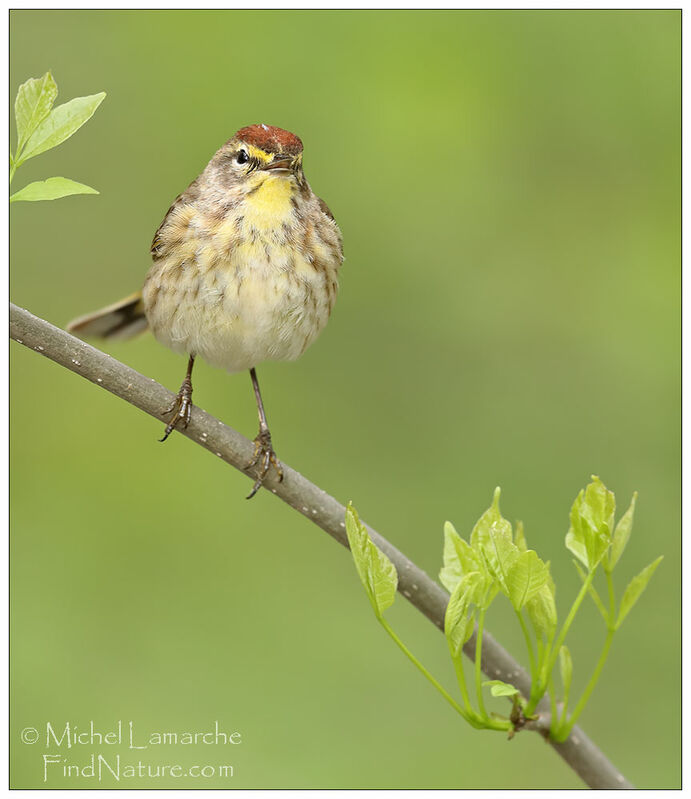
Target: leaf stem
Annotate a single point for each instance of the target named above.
(554, 650)
(542, 652)
(565, 726)
(566, 723)
(471, 717)
(569, 620)
(563, 717)
(460, 678)
(612, 603)
(548, 650)
(529, 645)
(454, 704)
(478, 662)
(555, 722)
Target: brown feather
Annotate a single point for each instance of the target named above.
(122, 320)
(270, 139)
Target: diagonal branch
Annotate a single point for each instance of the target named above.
(309, 500)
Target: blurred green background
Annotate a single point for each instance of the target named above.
(508, 188)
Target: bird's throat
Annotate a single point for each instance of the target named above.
(269, 204)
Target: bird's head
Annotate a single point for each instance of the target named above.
(259, 152)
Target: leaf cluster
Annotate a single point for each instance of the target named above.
(595, 540)
(495, 561)
(40, 127)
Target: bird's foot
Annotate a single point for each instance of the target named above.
(181, 409)
(264, 456)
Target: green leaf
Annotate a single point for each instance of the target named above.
(32, 105)
(50, 189)
(459, 559)
(60, 124)
(519, 538)
(599, 506)
(490, 518)
(542, 611)
(525, 578)
(593, 592)
(622, 533)
(491, 538)
(499, 688)
(575, 543)
(634, 589)
(566, 668)
(451, 572)
(377, 574)
(458, 619)
(592, 517)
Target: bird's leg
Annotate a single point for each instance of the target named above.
(182, 407)
(264, 454)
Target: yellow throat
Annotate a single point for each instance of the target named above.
(269, 205)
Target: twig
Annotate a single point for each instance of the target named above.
(306, 498)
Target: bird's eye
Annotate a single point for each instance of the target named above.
(243, 158)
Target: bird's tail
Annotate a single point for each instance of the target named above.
(121, 320)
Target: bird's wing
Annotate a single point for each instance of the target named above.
(187, 196)
(325, 209)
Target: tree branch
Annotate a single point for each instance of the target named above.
(309, 500)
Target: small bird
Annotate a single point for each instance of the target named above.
(245, 270)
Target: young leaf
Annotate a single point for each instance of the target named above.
(542, 611)
(634, 589)
(490, 518)
(60, 124)
(566, 668)
(459, 559)
(492, 540)
(499, 688)
(519, 538)
(575, 540)
(32, 105)
(458, 620)
(525, 578)
(50, 189)
(552, 588)
(593, 592)
(377, 574)
(451, 572)
(592, 515)
(599, 506)
(622, 533)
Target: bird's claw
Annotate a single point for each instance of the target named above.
(181, 410)
(264, 456)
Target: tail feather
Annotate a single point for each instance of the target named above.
(121, 320)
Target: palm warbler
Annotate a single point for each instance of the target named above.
(245, 270)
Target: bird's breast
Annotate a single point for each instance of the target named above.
(257, 283)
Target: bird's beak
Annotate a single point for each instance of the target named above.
(282, 162)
